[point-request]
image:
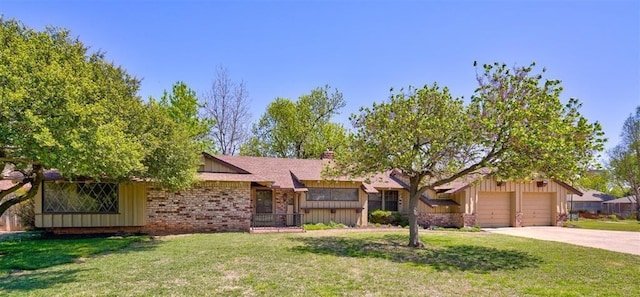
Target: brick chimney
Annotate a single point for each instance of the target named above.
(327, 155)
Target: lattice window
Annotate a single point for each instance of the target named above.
(74, 197)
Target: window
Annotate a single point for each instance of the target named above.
(375, 201)
(330, 194)
(385, 200)
(264, 201)
(71, 197)
(391, 200)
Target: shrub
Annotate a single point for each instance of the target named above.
(613, 217)
(381, 217)
(26, 212)
(334, 225)
(390, 218)
(400, 219)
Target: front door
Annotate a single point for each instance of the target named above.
(264, 209)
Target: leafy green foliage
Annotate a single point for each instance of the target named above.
(515, 126)
(386, 217)
(300, 129)
(624, 159)
(380, 217)
(64, 107)
(601, 180)
(182, 107)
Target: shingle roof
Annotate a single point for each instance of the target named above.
(282, 172)
(628, 199)
(210, 176)
(592, 196)
(7, 184)
(293, 173)
(465, 182)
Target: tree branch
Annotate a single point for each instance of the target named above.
(35, 186)
(18, 160)
(14, 188)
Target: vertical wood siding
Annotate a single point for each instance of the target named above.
(320, 210)
(558, 192)
(132, 200)
(209, 165)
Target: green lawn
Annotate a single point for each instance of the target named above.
(605, 224)
(316, 263)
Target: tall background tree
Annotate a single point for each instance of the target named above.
(624, 159)
(64, 107)
(183, 107)
(601, 180)
(228, 103)
(299, 129)
(515, 126)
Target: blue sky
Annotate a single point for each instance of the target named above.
(363, 48)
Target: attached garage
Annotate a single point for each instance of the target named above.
(536, 209)
(494, 209)
(488, 202)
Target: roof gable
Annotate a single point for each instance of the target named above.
(216, 165)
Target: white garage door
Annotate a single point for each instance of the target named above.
(494, 209)
(536, 209)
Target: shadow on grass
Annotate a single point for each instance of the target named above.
(471, 258)
(25, 282)
(21, 254)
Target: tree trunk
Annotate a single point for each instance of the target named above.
(35, 185)
(637, 194)
(414, 239)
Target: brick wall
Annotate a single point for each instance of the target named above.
(561, 218)
(440, 219)
(206, 207)
(469, 219)
(518, 219)
(282, 198)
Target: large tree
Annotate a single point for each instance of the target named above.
(624, 159)
(228, 103)
(299, 129)
(63, 107)
(515, 125)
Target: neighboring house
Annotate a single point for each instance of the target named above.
(625, 206)
(9, 220)
(237, 193)
(590, 201)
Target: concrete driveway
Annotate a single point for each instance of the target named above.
(618, 241)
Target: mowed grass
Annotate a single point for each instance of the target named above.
(319, 263)
(605, 224)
